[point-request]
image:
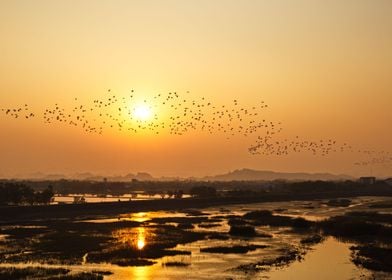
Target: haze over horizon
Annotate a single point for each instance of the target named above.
(323, 69)
(240, 174)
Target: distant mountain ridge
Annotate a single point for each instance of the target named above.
(244, 174)
(263, 175)
(141, 176)
(87, 176)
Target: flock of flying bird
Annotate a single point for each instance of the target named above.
(179, 115)
(21, 112)
(267, 145)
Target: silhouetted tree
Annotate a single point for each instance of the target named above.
(170, 193)
(13, 193)
(203, 191)
(178, 194)
(45, 197)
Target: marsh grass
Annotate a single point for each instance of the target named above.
(242, 231)
(373, 257)
(66, 242)
(288, 255)
(372, 232)
(7, 273)
(232, 249)
(311, 240)
(176, 264)
(267, 218)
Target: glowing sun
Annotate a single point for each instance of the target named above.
(142, 112)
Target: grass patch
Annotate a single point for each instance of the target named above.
(66, 242)
(372, 232)
(267, 218)
(7, 273)
(339, 202)
(218, 236)
(78, 276)
(288, 256)
(185, 226)
(311, 240)
(359, 227)
(131, 262)
(372, 257)
(232, 249)
(242, 231)
(209, 225)
(176, 264)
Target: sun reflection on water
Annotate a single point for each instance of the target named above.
(140, 273)
(140, 217)
(141, 238)
(135, 238)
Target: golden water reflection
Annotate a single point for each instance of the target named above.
(140, 217)
(141, 272)
(136, 238)
(141, 238)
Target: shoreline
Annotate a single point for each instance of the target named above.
(27, 213)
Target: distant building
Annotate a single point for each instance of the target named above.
(367, 180)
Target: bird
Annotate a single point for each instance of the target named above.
(200, 115)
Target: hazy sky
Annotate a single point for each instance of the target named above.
(323, 67)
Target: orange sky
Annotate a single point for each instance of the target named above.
(323, 67)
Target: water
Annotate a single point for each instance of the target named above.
(327, 260)
(90, 198)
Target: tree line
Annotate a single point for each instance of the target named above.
(20, 194)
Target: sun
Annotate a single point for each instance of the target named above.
(142, 112)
